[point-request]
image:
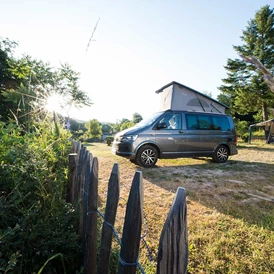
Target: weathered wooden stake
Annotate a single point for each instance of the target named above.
(90, 252)
(71, 177)
(132, 227)
(173, 245)
(110, 214)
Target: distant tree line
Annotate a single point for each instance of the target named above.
(94, 130)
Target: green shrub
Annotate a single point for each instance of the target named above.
(38, 223)
(242, 129)
(109, 140)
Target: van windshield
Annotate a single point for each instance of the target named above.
(149, 120)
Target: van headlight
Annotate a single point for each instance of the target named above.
(131, 138)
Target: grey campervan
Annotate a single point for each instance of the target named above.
(177, 134)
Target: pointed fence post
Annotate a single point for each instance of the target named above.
(173, 245)
(83, 173)
(71, 177)
(90, 252)
(110, 214)
(85, 191)
(132, 227)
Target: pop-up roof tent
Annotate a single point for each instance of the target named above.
(176, 96)
(269, 130)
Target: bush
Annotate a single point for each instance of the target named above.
(242, 130)
(109, 140)
(38, 223)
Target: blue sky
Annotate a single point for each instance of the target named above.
(139, 45)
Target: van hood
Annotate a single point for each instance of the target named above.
(129, 131)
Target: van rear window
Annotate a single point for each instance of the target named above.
(207, 122)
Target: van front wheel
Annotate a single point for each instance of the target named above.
(147, 156)
(221, 154)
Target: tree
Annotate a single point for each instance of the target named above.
(126, 125)
(7, 80)
(245, 87)
(94, 129)
(136, 118)
(107, 128)
(269, 77)
(26, 85)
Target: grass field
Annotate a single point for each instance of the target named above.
(230, 206)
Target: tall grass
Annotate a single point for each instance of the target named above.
(37, 223)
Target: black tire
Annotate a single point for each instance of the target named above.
(133, 161)
(147, 156)
(221, 154)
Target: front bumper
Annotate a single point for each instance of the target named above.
(123, 149)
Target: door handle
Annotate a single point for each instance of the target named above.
(180, 131)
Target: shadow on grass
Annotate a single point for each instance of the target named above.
(241, 189)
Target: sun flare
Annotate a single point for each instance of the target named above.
(54, 103)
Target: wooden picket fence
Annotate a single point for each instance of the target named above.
(83, 189)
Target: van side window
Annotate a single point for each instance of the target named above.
(207, 122)
(192, 122)
(204, 122)
(221, 123)
(173, 121)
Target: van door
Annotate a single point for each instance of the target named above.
(204, 133)
(169, 135)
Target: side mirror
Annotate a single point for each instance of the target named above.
(161, 125)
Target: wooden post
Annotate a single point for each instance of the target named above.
(90, 252)
(71, 177)
(173, 245)
(132, 227)
(84, 163)
(79, 174)
(110, 214)
(85, 190)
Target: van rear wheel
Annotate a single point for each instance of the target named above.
(221, 154)
(147, 156)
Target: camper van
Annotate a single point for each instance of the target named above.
(177, 134)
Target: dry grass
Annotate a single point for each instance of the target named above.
(230, 207)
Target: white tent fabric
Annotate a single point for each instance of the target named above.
(176, 96)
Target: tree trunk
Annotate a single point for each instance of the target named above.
(265, 118)
(264, 110)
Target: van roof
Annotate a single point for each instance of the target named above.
(183, 86)
(193, 111)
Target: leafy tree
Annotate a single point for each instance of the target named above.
(107, 128)
(94, 129)
(126, 125)
(26, 84)
(124, 120)
(245, 87)
(116, 127)
(136, 118)
(7, 80)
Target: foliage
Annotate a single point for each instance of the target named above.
(94, 129)
(116, 127)
(126, 125)
(38, 223)
(245, 89)
(109, 140)
(27, 84)
(107, 128)
(136, 118)
(242, 129)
